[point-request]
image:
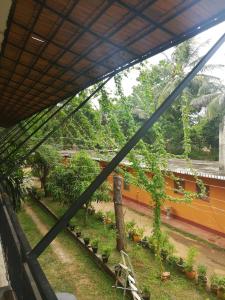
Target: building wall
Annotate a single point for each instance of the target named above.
(208, 214)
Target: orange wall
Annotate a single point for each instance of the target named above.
(208, 213)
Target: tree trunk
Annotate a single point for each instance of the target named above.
(117, 199)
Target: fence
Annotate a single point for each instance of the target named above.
(25, 274)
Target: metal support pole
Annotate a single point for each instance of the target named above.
(86, 195)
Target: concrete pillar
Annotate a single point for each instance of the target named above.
(222, 145)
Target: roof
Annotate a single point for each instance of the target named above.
(201, 168)
(53, 49)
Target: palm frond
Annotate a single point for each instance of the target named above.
(204, 100)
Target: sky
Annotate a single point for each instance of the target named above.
(210, 37)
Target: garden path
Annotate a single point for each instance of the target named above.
(77, 273)
(213, 258)
(56, 246)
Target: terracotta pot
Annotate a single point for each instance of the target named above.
(136, 238)
(190, 275)
(165, 276)
(221, 293)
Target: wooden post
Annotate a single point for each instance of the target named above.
(117, 199)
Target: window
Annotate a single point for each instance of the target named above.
(179, 186)
(126, 185)
(201, 194)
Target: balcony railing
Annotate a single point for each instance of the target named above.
(26, 277)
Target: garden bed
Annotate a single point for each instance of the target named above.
(144, 262)
(79, 276)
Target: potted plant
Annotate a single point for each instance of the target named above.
(152, 244)
(71, 225)
(144, 242)
(100, 215)
(189, 263)
(137, 234)
(167, 248)
(78, 232)
(164, 253)
(202, 279)
(146, 293)
(181, 264)
(86, 240)
(172, 260)
(109, 218)
(94, 245)
(90, 210)
(105, 254)
(129, 228)
(221, 288)
(214, 286)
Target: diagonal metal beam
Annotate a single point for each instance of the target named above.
(30, 124)
(70, 114)
(85, 196)
(17, 133)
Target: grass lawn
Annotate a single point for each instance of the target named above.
(145, 265)
(81, 276)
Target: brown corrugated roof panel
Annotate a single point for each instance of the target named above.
(54, 49)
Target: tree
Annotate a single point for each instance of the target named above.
(43, 160)
(67, 183)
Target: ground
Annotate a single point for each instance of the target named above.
(145, 264)
(67, 268)
(213, 258)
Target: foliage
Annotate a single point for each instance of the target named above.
(215, 279)
(68, 182)
(95, 242)
(43, 160)
(146, 290)
(106, 251)
(202, 270)
(16, 187)
(190, 259)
